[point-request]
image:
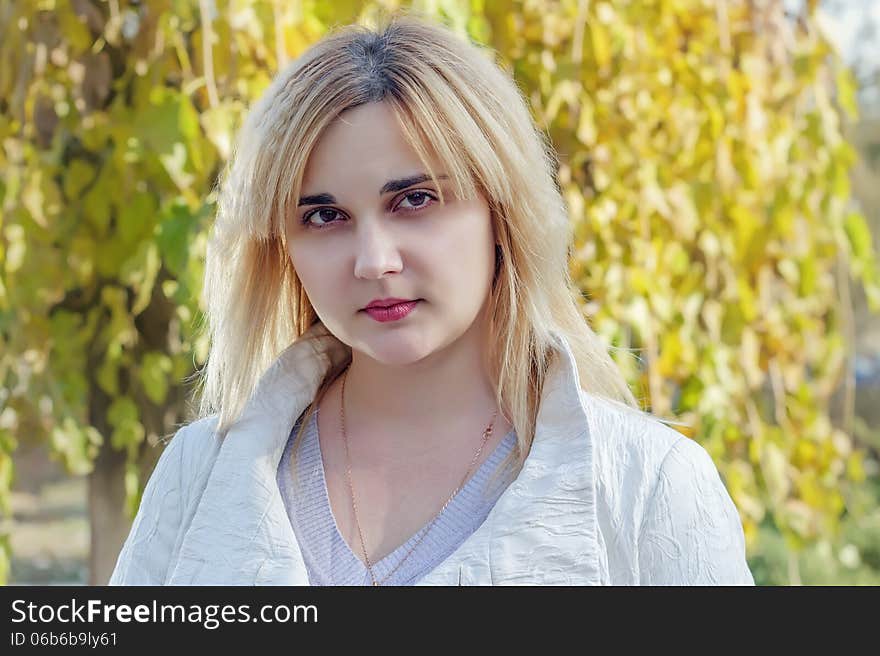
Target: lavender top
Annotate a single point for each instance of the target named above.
(328, 558)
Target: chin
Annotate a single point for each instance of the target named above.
(395, 349)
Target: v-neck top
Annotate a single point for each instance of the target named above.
(328, 558)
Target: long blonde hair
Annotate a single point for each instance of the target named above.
(447, 92)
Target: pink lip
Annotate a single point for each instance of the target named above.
(388, 302)
(391, 313)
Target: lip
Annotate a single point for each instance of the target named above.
(388, 302)
(392, 313)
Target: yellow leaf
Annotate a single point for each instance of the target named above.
(601, 47)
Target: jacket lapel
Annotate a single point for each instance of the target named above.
(545, 529)
(240, 533)
(542, 529)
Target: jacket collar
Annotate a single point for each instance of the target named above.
(240, 533)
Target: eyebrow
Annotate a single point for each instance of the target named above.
(391, 185)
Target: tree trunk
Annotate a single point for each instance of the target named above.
(108, 522)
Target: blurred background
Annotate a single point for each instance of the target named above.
(721, 164)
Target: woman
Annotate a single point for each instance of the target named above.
(402, 388)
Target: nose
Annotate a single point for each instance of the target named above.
(377, 252)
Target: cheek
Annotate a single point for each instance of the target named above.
(468, 245)
(311, 269)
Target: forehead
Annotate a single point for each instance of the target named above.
(363, 145)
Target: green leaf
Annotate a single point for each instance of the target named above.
(77, 445)
(846, 92)
(137, 217)
(859, 236)
(127, 429)
(97, 202)
(139, 272)
(219, 123)
(77, 176)
(174, 238)
(154, 372)
(133, 491)
(107, 375)
(6, 476)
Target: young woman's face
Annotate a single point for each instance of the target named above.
(369, 227)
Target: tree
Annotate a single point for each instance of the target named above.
(700, 156)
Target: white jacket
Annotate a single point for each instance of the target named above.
(605, 497)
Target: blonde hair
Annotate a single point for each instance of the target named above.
(447, 92)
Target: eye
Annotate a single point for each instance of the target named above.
(323, 213)
(417, 200)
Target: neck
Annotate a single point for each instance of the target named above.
(444, 401)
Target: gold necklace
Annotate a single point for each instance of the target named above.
(486, 434)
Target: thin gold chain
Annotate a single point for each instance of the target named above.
(486, 433)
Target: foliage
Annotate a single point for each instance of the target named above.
(708, 179)
(700, 155)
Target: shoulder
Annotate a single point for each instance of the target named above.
(640, 451)
(197, 435)
(630, 451)
(625, 437)
(691, 532)
(196, 446)
(187, 458)
(182, 468)
(662, 497)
